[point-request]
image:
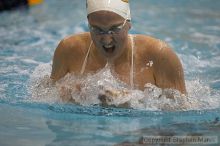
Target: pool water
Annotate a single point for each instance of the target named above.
(31, 115)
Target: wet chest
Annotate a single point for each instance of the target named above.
(142, 73)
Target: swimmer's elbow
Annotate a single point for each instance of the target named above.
(171, 77)
(171, 70)
(181, 88)
(58, 74)
(59, 70)
(52, 78)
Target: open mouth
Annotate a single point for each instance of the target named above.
(109, 48)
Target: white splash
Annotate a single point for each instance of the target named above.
(104, 89)
(41, 87)
(150, 63)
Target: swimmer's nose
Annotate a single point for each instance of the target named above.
(106, 39)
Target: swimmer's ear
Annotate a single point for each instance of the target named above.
(88, 17)
(129, 25)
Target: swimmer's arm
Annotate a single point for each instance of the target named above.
(168, 71)
(59, 66)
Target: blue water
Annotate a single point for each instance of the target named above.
(30, 36)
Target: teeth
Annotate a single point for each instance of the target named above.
(108, 46)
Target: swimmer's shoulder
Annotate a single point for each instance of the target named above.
(76, 42)
(73, 45)
(156, 50)
(149, 43)
(68, 54)
(150, 47)
(167, 67)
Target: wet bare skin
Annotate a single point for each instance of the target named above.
(154, 61)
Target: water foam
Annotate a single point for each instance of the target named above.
(104, 89)
(41, 87)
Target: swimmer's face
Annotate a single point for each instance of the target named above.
(109, 32)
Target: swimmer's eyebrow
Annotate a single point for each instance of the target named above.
(95, 26)
(115, 25)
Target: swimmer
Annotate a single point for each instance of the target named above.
(134, 59)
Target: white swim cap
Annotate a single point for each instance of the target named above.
(120, 7)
